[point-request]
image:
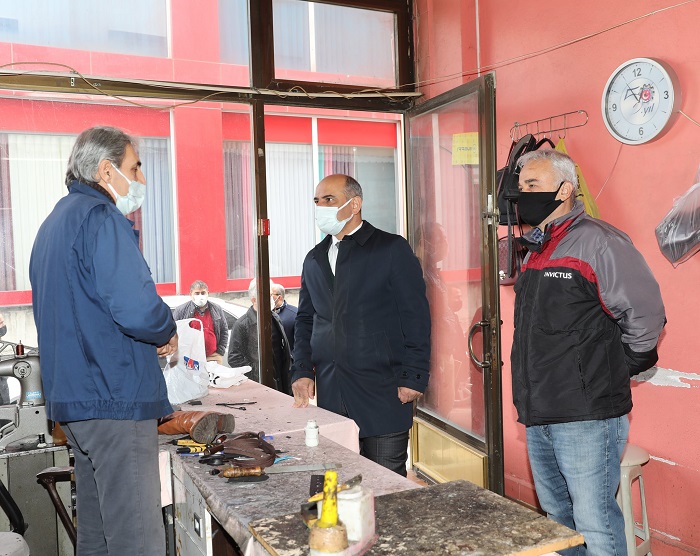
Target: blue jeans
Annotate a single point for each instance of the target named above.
(576, 467)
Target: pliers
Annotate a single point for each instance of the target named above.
(233, 405)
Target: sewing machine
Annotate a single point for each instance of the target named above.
(27, 418)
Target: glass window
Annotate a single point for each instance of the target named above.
(334, 44)
(375, 169)
(240, 208)
(233, 31)
(32, 176)
(291, 179)
(127, 27)
(155, 217)
(290, 187)
(445, 177)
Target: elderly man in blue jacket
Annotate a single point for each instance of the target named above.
(362, 331)
(101, 327)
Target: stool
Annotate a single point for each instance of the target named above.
(630, 469)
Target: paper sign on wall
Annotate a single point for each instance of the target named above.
(465, 148)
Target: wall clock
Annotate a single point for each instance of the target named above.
(639, 100)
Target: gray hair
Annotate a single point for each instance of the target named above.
(252, 289)
(198, 285)
(93, 146)
(277, 289)
(562, 164)
(352, 188)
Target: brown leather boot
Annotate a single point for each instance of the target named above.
(202, 426)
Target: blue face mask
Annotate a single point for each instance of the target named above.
(327, 219)
(133, 199)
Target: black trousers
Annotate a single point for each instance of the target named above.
(388, 450)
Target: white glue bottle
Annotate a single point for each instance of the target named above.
(311, 431)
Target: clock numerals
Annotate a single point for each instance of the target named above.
(637, 72)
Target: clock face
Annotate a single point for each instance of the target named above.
(639, 99)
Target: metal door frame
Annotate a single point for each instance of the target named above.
(490, 324)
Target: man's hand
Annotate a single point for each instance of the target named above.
(303, 389)
(169, 348)
(406, 395)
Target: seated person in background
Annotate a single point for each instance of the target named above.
(243, 348)
(212, 317)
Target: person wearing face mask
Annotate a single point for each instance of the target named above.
(101, 328)
(243, 345)
(588, 315)
(212, 317)
(362, 332)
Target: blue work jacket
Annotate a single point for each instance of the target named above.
(97, 313)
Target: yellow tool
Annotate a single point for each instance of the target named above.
(329, 512)
(328, 535)
(186, 442)
(191, 449)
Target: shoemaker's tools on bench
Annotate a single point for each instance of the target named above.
(233, 472)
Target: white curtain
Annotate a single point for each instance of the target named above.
(290, 206)
(238, 197)
(37, 182)
(157, 214)
(37, 169)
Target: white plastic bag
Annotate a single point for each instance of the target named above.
(225, 377)
(185, 372)
(678, 234)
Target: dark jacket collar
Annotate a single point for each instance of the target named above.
(80, 187)
(552, 230)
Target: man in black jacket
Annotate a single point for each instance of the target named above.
(243, 348)
(588, 315)
(363, 325)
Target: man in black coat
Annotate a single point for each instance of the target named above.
(363, 325)
(243, 347)
(286, 312)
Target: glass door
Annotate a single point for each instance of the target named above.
(453, 219)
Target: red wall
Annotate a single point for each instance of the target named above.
(640, 189)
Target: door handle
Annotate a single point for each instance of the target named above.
(475, 327)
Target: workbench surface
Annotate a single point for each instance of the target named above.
(234, 505)
(456, 518)
(450, 519)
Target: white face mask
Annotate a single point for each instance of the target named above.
(327, 219)
(134, 199)
(272, 303)
(200, 300)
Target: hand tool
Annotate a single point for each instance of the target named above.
(232, 472)
(190, 449)
(356, 480)
(187, 441)
(232, 404)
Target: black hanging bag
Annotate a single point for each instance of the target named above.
(508, 192)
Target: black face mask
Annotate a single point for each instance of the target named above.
(534, 207)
